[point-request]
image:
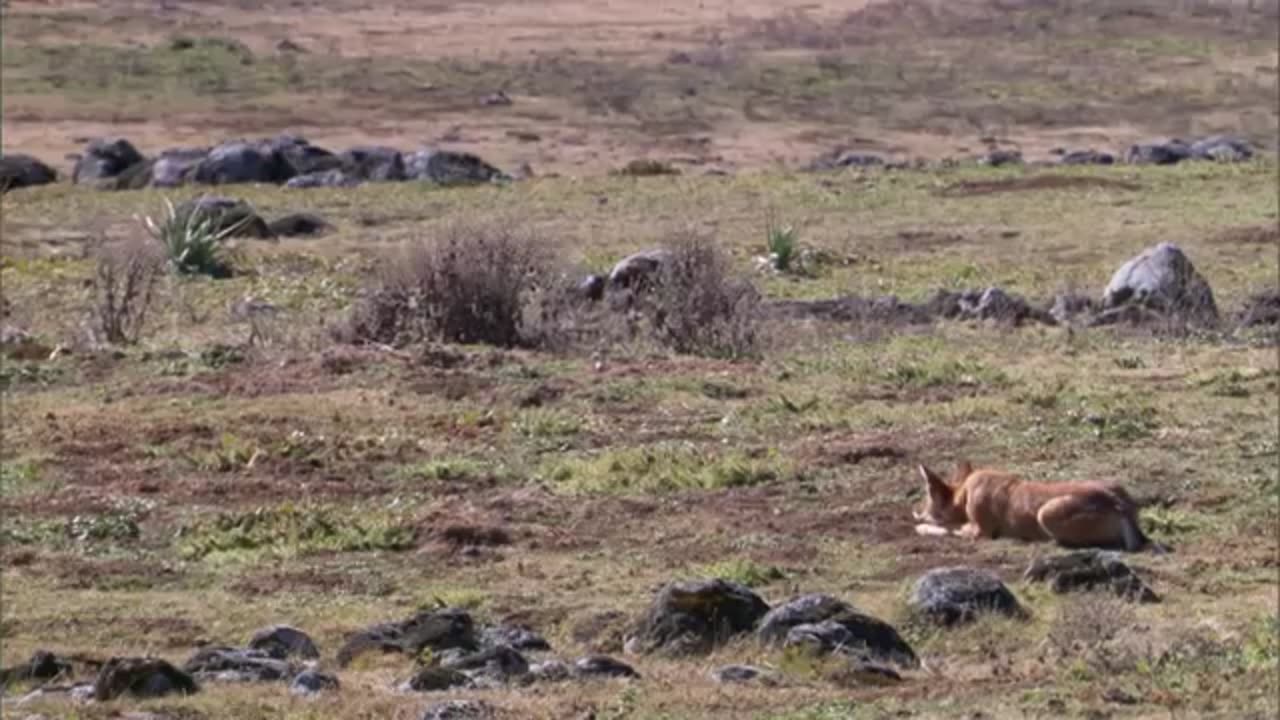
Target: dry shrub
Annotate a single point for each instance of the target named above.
(124, 283)
(697, 306)
(472, 283)
(1089, 626)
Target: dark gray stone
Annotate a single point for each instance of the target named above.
(549, 671)
(313, 682)
(374, 163)
(436, 679)
(1087, 570)
(741, 674)
(177, 166)
(695, 616)
(43, 665)
(141, 678)
(638, 268)
(1166, 153)
(955, 595)
(300, 156)
(1001, 158)
(856, 634)
(19, 171)
(105, 158)
(336, 178)
(800, 610)
(1222, 148)
(1088, 157)
(224, 664)
(299, 225)
(283, 642)
(242, 162)
(603, 666)
(226, 213)
(444, 167)
(500, 664)
(434, 629)
(518, 637)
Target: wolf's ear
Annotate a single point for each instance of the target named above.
(963, 470)
(938, 487)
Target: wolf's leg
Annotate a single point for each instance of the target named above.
(1079, 521)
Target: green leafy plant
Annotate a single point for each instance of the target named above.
(193, 240)
(781, 242)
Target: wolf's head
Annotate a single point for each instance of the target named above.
(939, 506)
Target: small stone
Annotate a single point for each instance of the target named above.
(603, 666)
(312, 682)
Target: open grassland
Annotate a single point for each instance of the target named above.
(191, 488)
(222, 474)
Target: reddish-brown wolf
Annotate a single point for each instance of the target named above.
(988, 503)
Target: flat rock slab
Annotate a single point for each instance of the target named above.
(1090, 570)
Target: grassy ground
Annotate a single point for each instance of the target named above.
(656, 466)
(192, 488)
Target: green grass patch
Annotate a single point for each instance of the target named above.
(740, 570)
(662, 468)
(290, 530)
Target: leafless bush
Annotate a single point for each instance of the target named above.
(698, 307)
(469, 284)
(124, 284)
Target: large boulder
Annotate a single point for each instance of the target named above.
(141, 678)
(956, 595)
(800, 610)
(1159, 153)
(242, 162)
(177, 166)
(1162, 278)
(226, 213)
(19, 171)
(1222, 148)
(374, 163)
(445, 167)
(1088, 570)
(695, 616)
(105, 158)
(435, 629)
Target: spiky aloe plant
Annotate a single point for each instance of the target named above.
(193, 241)
(782, 245)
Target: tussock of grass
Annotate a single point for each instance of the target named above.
(740, 570)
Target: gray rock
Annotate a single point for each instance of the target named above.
(501, 664)
(19, 171)
(374, 163)
(224, 664)
(800, 610)
(460, 710)
(335, 178)
(695, 616)
(435, 679)
(1090, 570)
(591, 287)
(242, 162)
(741, 674)
(518, 637)
(43, 666)
(856, 634)
(141, 678)
(105, 158)
(838, 160)
(1261, 309)
(444, 167)
(603, 666)
(1162, 278)
(1166, 153)
(283, 642)
(177, 166)
(1088, 157)
(313, 682)
(955, 595)
(300, 156)
(638, 268)
(994, 303)
(435, 629)
(549, 671)
(1222, 148)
